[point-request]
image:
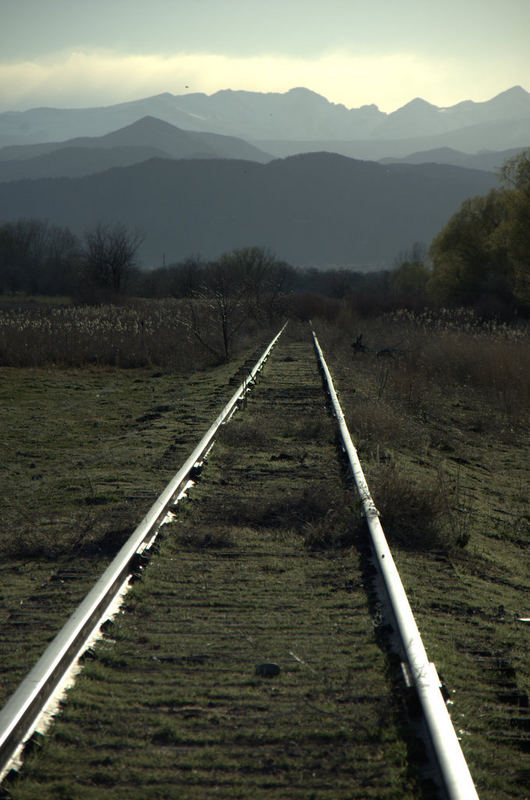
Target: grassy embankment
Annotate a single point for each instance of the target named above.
(441, 429)
(258, 567)
(86, 448)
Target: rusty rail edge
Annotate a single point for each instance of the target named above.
(20, 713)
(453, 767)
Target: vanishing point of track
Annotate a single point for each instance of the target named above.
(280, 639)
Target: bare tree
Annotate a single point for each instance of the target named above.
(109, 256)
(261, 277)
(241, 285)
(37, 257)
(21, 247)
(219, 307)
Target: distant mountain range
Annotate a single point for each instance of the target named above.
(314, 209)
(490, 161)
(153, 138)
(144, 139)
(201, 174)
(296, 121)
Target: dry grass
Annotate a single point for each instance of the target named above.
(455, 510)
(122, 336)
(456, 349)
(416, 514)
(419, 375)
(335, 530)
(150, 333)
(90, 532)
(418, 358)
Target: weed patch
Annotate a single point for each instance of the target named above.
(85, 534)
(413, 515)
(214, 537)
(336, 530)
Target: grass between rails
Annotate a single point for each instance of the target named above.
(454, 429)
(258, 567)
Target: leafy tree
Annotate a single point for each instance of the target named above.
(410, 275)
(515, 173)
(484, 250)
(514, 233)
(411, 279)
(468, 261)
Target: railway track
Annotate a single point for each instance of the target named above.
(246, 662)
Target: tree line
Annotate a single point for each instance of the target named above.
(481, 258)
(37, 257)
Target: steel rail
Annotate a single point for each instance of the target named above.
(20, 713)
(453, 767)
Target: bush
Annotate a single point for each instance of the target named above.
(417, 516)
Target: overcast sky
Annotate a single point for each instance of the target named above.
(97, 52)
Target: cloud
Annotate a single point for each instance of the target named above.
(103, 77)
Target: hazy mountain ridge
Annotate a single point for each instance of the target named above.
(491, 136)
(152, 138)
(513, 104)
(191, 191)
(297, 115)
(74, 162)
(487, 161)
(320, 209)
(144, 139)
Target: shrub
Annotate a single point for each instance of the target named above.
(411, 514)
